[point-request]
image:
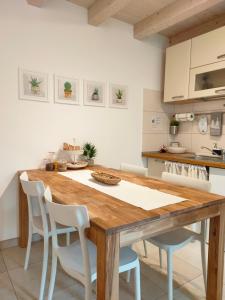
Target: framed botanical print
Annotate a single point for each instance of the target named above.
(118, 96)
(66, 90)
(94, 93)
(33, 85)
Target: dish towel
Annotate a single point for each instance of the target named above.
(193, 171)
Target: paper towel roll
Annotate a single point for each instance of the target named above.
(185, 117)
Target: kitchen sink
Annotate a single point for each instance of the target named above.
(204, 157)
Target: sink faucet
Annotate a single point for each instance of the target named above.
(211, 150)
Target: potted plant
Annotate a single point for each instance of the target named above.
(35, 85)
(90, 152)
(67, 89)
(95, 95)
(174, 126)
(119, 96)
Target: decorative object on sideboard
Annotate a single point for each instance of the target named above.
(89, 152)
(106, 178)
(203, 124)
(174, 126)
(118, 96)
(66, 90)
(216, 124)
(176, 147)
(33, 85)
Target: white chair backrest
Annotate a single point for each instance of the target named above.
(35, 196)
(134, 169)
(73, 216)
(187, 181)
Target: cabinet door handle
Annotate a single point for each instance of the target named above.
(178, 97)
(221, 56)
(221, 91)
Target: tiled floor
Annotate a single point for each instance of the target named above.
(15, 283)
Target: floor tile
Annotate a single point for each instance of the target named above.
(192, 290)
(183, 271)
(14, 257)
(6, 288)
(2, 264)
(27, 283)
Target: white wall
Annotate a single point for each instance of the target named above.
(57, 39)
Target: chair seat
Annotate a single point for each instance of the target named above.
(38, 224)
(176, 238)
(71, 258)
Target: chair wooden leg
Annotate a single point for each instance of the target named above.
(53, 275)
(44, 269)
(203, 251)
(29, 242)
(137, 280)
(170, 274)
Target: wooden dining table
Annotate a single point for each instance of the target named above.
(115, 223)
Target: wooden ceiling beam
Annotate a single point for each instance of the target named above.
(170, 15)
(214, 23)
(37, 3)
(101, 10)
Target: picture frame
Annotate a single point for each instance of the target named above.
(118, 96)
(66, 90)
(33, 85)
(94, 93)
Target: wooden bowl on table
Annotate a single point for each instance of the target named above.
(106, 178)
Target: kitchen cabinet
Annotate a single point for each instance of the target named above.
(207, 81)
(217, 180)
(155, 167)
(177, 72)
(208, 48)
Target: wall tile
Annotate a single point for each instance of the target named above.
(210, 105)
(150, 127)
(153, 141)
(182, 108)
(199, 140)
(184, 139)
(153, 102)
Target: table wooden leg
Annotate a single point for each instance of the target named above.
(23, 218)
(108, 247)
(216, 257)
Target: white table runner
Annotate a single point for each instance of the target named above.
(132, 193)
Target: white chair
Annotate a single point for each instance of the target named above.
(138, 171)
(134, 169)
(177, 239)
(79, 259)
(39, 222)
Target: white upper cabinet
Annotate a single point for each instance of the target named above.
(177, 72)
(208, 48)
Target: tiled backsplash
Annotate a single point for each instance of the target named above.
(189, 134)
(155, 135)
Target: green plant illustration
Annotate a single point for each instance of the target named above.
(90, 150)
(34, 82)
(119, 94)
(95, 94)
(67, 87)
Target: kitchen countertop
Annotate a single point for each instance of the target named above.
(187, 158)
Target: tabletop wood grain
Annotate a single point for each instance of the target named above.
(109, 213)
